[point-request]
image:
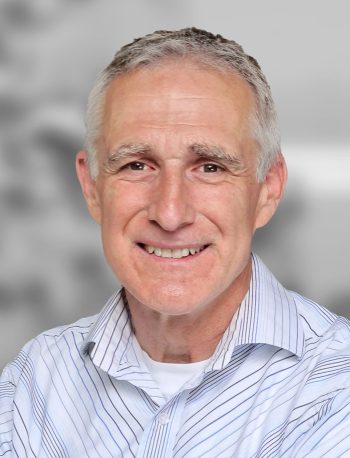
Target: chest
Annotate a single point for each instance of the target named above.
(253, 406)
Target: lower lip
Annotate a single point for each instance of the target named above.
(182, 260)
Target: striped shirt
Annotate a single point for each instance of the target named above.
(277, 385)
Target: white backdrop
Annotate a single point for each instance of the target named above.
(52, 268)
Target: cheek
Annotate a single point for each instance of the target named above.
(119, 201)
(121, 205)
(114, 216)
(234, 213)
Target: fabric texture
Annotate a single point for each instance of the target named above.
(277, 385)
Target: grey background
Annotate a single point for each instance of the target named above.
(52, 269)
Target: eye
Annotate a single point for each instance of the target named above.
(212, 168)
(135, 165)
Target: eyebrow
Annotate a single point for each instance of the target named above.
(205, 151)
(124, 152)
(127, 150)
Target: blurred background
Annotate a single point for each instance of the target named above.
(52, 269)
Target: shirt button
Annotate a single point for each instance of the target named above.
(163, 418)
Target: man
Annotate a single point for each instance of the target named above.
(202, 353)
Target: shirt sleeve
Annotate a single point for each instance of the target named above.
(7, 392)
(330, 434)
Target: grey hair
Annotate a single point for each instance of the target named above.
(207, 49)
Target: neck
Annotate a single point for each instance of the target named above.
(191, 337)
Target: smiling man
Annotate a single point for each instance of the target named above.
(202, 352)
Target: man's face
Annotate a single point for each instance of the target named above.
(176, 196)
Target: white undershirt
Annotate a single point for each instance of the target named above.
(170, 377)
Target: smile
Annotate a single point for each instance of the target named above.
(176, 253)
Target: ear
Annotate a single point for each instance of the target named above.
(271, 192)
(88, 186)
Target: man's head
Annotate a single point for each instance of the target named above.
(176, 190)
(209, 52)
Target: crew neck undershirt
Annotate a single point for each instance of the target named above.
(170, 377)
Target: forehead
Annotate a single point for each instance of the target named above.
(179, 95)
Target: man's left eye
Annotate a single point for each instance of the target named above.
(211, 168)
(136, 165)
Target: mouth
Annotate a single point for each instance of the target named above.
(174, 253)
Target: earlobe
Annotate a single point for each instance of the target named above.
(88, 186)
(271, 192)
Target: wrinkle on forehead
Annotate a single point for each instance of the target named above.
(166, 125)
(168, 96)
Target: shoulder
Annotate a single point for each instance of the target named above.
(317, 321)
(48, 350)
(326, 351)
(42, 364)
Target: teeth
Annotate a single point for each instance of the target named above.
(177, 254)
(169, 253)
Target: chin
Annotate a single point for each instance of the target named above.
(170, 300)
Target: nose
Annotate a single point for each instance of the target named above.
(172, 207)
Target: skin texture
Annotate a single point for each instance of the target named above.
(154, 188)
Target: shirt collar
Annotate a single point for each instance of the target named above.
(109, 342)
(267, 315)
